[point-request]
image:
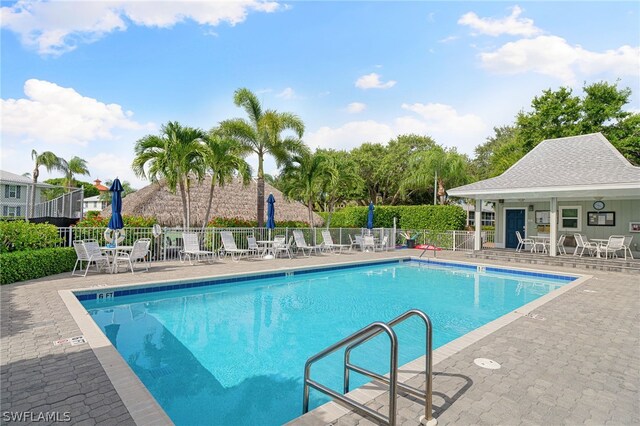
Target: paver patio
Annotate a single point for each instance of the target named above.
(580, 365)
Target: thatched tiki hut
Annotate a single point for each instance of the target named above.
(234, 200)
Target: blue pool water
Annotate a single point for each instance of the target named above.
(234, 354)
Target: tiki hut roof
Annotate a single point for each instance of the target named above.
(234, 200)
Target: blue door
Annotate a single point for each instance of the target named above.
(514, 222)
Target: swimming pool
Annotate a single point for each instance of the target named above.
(233, 353)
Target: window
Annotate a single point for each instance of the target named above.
(10, 211)
(570, 218)
(12, 191)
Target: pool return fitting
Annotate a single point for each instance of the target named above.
(358, 338)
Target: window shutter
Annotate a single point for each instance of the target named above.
(5, 210)
(18, 209)
(18, 188)
(6, 195)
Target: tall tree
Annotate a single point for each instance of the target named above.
(306, 176)
(497, 154)
(346, 183)
(126, 189)
(75, 166)
(47, 159)
(223, 160)
(262, 134)
(450, 168)
(176, 156)
(367, 158)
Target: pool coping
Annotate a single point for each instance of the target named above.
(143, 407)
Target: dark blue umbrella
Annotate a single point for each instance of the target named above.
(370, 216)
(116, 205)
(271, 212)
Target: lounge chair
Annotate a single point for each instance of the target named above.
(383, 244)
(301, 244)
(328, 242)
(583, 244)
(192, 248)
(229, 247)
(89, 252)
(615, 244)
(139, 252)
(368, 242)
(280, 245)
(254, 248)
(560, 245)
(357, 243)
(523, 241)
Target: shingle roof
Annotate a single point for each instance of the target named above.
(577, 161)
(6, 176)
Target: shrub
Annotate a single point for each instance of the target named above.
(19, 235)
(97, 221)
(434, 218)
(31, 264)
(222, 222)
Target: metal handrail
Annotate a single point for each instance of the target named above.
(362, 336)
(427, 419)
(381, 327)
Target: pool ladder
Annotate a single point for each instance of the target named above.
(358, 338)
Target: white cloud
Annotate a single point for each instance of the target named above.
(553, 56)
(287, 94)
(448, 39)
(53, 28)
(107, 166)
(372, 81)
(441, 122)
(512, 24)
(54, 114)
(356, 107)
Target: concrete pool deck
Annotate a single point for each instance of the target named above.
(580, 364)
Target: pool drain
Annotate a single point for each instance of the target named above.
(486, 363)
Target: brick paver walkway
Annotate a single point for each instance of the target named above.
(580, 365)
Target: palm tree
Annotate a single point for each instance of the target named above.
(47, 159)
(223, 157)
(75, 166)
(306, 176)
(176, 156)
(450, 167)
(262, 135)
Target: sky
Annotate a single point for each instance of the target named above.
(90, 78)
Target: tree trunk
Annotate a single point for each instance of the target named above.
(206, 216)
(32, 207)
(441, 192)
(310, 207)
(260, 212)
(329, 215)
(188, 185)
(183, 197)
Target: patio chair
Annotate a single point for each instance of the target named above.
(254, 248)
(280, 245)
(523, 241)
(328, 242)
(357, 243)
(368, 242)
(98, 258)
(627, 246)
(192, 249)
(301, 244)
(383, 244)
(229, 247)
(615, 244)
(583, 244)
(139, 252)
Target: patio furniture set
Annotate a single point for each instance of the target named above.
(609, 247)
(111, 258)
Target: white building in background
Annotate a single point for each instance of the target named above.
(93, 204)
(15, 194)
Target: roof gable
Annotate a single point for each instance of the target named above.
(575, 161)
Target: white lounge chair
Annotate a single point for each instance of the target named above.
(383, 244)
(139, 252)
(559, 246)
(583, 244)
(229, 247)
(615, 244)
(192, 249)
(89, 252)
(523, 241)
(328, 242)
(355, 243)
(301, 244)
(368, 242)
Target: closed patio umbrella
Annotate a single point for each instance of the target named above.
(115, 223)
(271, 217)
(370, 216)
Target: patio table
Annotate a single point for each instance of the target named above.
(268, 245)
(599, 241)
(545, 239)
(112, 253)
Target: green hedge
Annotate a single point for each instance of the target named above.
(19, 235)
(434, 218)
(234, 222)
(31, 264)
